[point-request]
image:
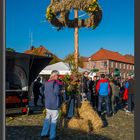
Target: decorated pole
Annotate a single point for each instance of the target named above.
(58, 14)
(76, 52)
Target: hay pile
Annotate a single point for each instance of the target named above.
(88, 121)
(63, 108)
(88, 113)
(62, 122)
(79, 124)
(74, 124)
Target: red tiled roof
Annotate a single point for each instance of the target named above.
(42, 51)
(104, 54)
(129, 57)
(38, 51)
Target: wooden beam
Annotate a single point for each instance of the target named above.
(76, 37)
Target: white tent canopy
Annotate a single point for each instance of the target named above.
(62, 67)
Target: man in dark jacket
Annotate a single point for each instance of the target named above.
(36, 90)
(103, 89)
(131, 93)
(90, 84)
(84, 85)
(94, 95)
(52, 104)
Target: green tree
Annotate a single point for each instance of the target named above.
(55, 60)
(10, 50)
(70, 59)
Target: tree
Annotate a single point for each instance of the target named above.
(10, 50)
(54, 60)
(70, 60)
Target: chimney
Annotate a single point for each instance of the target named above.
(32, 47)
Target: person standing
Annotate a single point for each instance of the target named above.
(84, 85)
(131, 94)
(52, 105)
(125, 95)
(94, 96)
(122, 89)
(114, 96)
(42, 93)
(90, 84)
(36, 90)
(103, 89)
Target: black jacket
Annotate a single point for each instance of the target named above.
(84, 84)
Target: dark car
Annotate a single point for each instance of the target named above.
(21, 70)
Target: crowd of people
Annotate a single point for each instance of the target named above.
(106, 94)
(115, 92)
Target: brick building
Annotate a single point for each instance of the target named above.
(107, 61)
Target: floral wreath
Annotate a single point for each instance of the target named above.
(58, 13)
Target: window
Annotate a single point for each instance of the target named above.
(116, 64)
(102, 64)
(94, 65)
(127, 66)
(120, 65)
(123, 66)
(124, 75)
(112, 64)
(105, 64)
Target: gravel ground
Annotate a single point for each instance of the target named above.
(23, 127)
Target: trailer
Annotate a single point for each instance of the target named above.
(21, 70)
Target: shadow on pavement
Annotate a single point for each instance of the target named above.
(33, 133)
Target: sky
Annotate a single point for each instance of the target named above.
(115, 31)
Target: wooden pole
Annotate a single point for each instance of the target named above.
(76, 52)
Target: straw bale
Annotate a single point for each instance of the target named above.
(88, 113)
(88, 120)
(78, 124)
(64, 107)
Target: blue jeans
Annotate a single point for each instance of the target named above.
(107, 102)
(50, 123)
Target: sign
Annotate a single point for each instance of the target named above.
(117, 72)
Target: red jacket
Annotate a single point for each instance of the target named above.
(125, 95)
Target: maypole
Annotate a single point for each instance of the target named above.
(58, 15)
(76, 37)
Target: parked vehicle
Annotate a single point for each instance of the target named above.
(21, 70)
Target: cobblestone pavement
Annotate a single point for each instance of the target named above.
(23, 127)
